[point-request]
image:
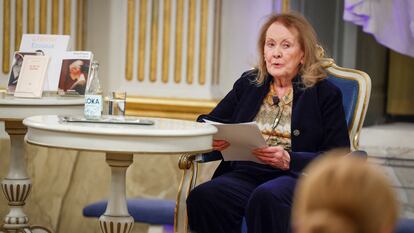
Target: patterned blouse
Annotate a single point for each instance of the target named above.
(274, 120)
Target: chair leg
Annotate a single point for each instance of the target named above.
(188, 181)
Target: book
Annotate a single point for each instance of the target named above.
(51, 45)
(243, 138)
(74, 72)
(15, 69)
(32, 76)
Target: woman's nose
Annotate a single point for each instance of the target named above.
(277, 53)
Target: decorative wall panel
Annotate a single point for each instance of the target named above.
(175, 41)
(40, 17)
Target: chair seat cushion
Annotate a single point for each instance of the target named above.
(151, 211)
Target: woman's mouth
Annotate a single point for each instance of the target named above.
(277, 65)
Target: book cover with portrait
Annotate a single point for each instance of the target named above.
(16, 68)
(74, 72)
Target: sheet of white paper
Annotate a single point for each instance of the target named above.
(243, 138)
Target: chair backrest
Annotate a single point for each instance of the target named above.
(355, 86)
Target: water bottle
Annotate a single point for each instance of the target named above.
(93, 95)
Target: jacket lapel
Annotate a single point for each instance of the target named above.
(298, 89)
(256, 99)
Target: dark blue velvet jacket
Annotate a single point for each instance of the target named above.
(318, 118)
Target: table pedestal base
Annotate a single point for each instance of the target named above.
(116, 218)
(16, 192)
(116, 224)
(17, 185)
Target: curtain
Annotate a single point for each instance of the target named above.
(390, 21)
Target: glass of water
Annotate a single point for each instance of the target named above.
(116, 103)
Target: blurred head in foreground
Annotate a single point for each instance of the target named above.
(344, 194)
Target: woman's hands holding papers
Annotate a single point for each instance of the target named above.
(220, 145)
(274, 156)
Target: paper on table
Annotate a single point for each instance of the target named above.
(243, 138)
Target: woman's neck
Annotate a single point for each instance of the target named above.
(281, 86)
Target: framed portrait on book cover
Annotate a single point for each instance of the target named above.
(15, 69)
(74, 72)
(73, 75)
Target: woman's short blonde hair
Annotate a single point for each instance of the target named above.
(344, 194)
(311, 71)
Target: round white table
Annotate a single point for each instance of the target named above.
(17, 184)
(120, 142)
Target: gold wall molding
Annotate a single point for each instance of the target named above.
(285, 5)
(400, 82)
(31, 16)
(216, 44)
(130, 40)
(80, 24)
(185, 33)
(55, 16)
(18, 29)
(37, 14)
(203, 42)
(141, 39)
(6, 36)
(154, 40)
(186, 109)
(43, 17)
(179, 40)
(166, 41)
(191, 40)
(67, 9)
(179, 29)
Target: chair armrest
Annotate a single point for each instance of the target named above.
(189, 164)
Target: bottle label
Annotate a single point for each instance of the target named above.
(93, 106)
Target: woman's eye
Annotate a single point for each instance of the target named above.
(286, 46)
(270, 44)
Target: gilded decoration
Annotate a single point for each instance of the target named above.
(38, 14)
(169, 32)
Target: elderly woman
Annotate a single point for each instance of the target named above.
(300, 115)
(344, 195)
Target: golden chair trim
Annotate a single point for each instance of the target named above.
(364, 93)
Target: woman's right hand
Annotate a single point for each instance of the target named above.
(220, 145)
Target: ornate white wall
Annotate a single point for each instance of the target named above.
(108, 37)
(40, 17)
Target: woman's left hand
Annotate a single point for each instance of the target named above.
(274, 156)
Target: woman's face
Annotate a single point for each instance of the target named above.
(74, 69)
(282, 51)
